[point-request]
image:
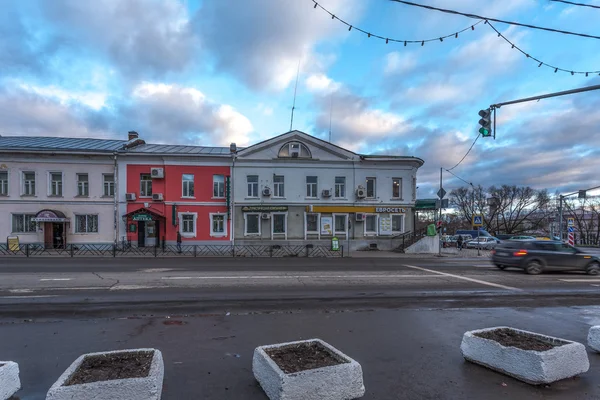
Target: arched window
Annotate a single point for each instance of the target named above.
(294, 150)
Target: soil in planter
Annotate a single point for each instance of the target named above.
(112, 366)
(304, 356)
(510, 338)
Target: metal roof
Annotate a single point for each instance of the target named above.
(178, 149)
(34, 143)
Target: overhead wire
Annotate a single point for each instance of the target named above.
(458, 177)
(467, 153)
(576, 4)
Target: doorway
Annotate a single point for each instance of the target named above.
(54, 235)
(141, 233)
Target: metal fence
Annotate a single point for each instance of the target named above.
(128, 250)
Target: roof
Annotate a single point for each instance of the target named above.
(179, 150)
(38, 143)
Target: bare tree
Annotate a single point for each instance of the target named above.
(586, 215)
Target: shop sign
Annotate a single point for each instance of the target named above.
(264, 208)
(142, 217)
(392, 210)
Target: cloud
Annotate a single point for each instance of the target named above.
(261, 42)
(94, 100)
(321, 83)
(399, 63)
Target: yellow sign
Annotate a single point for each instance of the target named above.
(13, 243)
(355, 209)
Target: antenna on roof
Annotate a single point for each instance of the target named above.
(295, 90)
(330, 114)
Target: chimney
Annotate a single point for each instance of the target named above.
(132, 135)
(232, 148)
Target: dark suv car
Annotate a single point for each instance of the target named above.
(535, 256)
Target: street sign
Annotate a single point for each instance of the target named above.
(441, 193)
(571, 229)
(477, 220)
(571, 239)
(570, 221)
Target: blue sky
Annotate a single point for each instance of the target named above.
(211, 72)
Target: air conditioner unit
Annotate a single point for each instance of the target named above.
(130, 196)
(157, 173)
(361, 193)
(266, 192)
(157, 197)
(360, 217)
(265, 216)
(326, 193)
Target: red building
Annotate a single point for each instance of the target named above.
(185, 194)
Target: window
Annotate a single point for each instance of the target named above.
(294, 150)
(278, 186)
(397, 188)
(252, 181)
(370, 188)
(340, 223)
(371, 224)
(340, 187)
(187, 224)
(145, 185)
(251, 224)
(279, 224)
(55, 184)
(22, 223)
(187, 182)
(414, 189)
(109, 184)
(29, 183)
(83, 185)
(311, 186)
(3, 183)
(218, 186)
(218, 225)
(312, 223)
(86, 224)
(397, 223)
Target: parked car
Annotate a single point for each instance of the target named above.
(473, 233)
(536, 256)
(451, 242)
(483, 242)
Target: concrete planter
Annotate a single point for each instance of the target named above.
(534, 367)
(147, 388)
(9, 379)
(594, 338)
(338, 382)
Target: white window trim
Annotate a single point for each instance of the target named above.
(195, 224)
(371, 233)
(403, 223)
(12, 228)
(224, 187)
(318, 231)
(335, 233)
(62, 183)
(183, 196)
(23, 183)
(316, 196)
(246, 224)
(345, 188)
(374, 188)
(7, 183)
(140, 182)
(218, 234)
(257, 183)
(401, 191)
(276, 184)
(84, 233)
(77, 175)
(104, 194)
(273, 225)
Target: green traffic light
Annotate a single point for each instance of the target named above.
(485, 132)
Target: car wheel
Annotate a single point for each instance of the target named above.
(593, 269)
(534, 267)
(500, 266)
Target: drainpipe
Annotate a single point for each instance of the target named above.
(115, 202)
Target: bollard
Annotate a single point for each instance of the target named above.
(71, 249)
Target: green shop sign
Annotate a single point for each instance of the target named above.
(264, 208)
(142, 217)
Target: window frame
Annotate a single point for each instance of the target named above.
(345, 231)
(316, 232)
(25, 185)
(316, 187)
(87, 224)
(218, 186)
(144, 182)
(403, 224)
(23, 215)
(86, 185)
(111, 184)
(374, 179)
(7, 184)
(51, 184)
(250, 186)
(337, 186)
(211, 220)
(194, 224)
(190, 185)
(371, 233)
(399, 197)
(285, 224)
(258, 216)
(279, 187)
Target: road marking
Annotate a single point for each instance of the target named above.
(55, 279)
(580, 280)
(131, 287)
(297, 277)
(464, 278)
(153, 270)
(20, 290)
(28, 297)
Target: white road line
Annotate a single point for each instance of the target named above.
(298, 277)
(20, 290)
(55, 279)
(464, 278)
(580, 280)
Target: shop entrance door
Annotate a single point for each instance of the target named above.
(141, 233)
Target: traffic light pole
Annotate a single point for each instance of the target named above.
(545, 96)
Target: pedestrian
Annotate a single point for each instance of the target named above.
(178, 241)
(459, 242)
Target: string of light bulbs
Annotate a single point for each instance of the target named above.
(388, 39)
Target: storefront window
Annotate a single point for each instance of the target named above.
(279, 223)
(312, 223)
(397, 223)
(371, 224)
(86, 224)
(340, 223)
(252, 224)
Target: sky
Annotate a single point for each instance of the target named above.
(212, 72)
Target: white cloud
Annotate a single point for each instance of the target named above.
(321, 83)
(398, 63)
(94, 100)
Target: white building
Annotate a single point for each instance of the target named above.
(298, 189)
(56, 191)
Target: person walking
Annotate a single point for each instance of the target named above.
(459, 242)
(178, 241)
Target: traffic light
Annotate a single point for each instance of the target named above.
(485, 122)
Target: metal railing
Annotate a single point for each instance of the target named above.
(128, 250)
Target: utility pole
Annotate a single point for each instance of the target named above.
(440, 219)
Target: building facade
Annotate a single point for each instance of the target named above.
(298, 189)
